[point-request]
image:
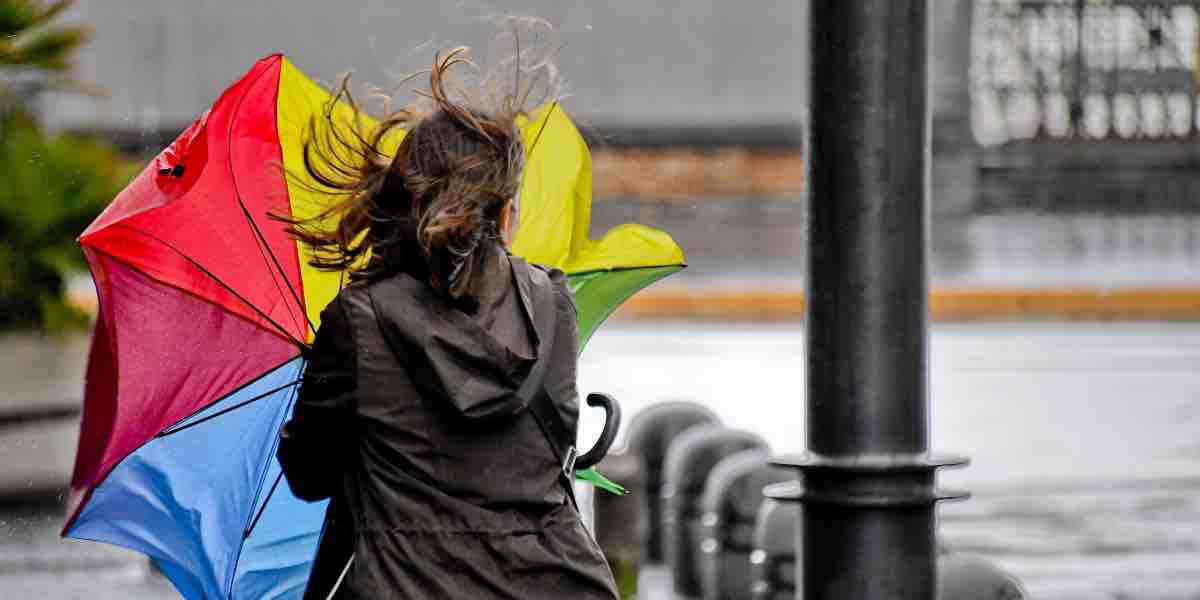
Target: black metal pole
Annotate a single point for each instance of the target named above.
(868, 481)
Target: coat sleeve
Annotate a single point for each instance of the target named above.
(314, 444)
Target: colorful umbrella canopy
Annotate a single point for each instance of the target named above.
(204, 302)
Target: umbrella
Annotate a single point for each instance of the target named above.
(205, 303)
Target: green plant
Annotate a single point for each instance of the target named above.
(53, 185)
(33, 50)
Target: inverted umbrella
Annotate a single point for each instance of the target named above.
(205, 303)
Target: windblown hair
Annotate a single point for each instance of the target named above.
(433, 210)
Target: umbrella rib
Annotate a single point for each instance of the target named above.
(263, 247)
(291, 402)
(262, 509)
(100, 480)
(224, 285)
(205, 418)
(265, 251)
(262, 240)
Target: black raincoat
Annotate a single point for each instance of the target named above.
(414, 419)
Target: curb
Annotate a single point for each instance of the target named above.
(983, 304)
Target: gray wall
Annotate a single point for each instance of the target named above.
(628, 62)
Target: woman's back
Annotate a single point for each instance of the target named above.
(439, 468)
(444, 400)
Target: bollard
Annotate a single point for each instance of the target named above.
(729, 506)
(650, 433)
(621, 521)
(773, 565)
(689, 460)
(968, 577)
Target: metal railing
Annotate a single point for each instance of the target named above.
(1084, 69)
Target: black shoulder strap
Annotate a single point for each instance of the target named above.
(551, 425)
(541, 407)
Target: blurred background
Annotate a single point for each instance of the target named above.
(1065, 241)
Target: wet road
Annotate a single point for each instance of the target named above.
(1084, 437)
(1085, 441)
(35, 564)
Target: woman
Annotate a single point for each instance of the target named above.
(419, 411)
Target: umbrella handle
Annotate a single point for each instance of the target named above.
(612, 422)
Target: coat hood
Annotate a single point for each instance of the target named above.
(485, 365)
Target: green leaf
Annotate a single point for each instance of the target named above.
(52, 11)
(17, 16)
(50, 49)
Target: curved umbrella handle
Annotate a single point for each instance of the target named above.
(612, 422)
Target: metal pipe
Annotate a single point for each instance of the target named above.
(868, 481)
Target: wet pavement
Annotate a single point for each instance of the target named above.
(1085, 441)
(1084, 437)
(36, 564)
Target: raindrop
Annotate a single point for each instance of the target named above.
(588, 27)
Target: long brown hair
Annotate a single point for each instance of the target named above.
(433, 210)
